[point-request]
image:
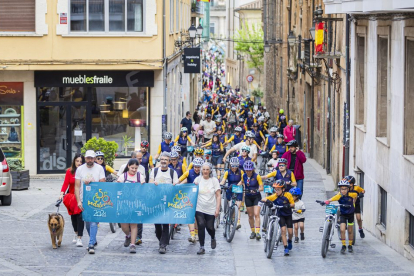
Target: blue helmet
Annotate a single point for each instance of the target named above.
(295, 191)
(248, 165)
(234, 162)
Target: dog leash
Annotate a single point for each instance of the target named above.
(58, 202)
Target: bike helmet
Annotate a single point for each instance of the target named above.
(281, 111)
(199, 151)
(282, 161)
(237, 129)
(144, 144)
(259, 104)
(198, 162)
(246, 148)
(276, 151)
(208, 115)
(292, 143)
(233, 109)
(279, 184)
(295, 191)
(261, 119)
(255, 125)
(350, 179)
(234, 162)
(343, 183)
(264, 107)
(176, 149)
(250, 134)
(249, 113)
(273, 129)
(184, 129)
(168, 136)
(174, 154)
(280, 136)
(258, 114)
(99, 153)
(218, 120)
(248, 165)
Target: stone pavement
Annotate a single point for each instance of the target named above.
(26, 247)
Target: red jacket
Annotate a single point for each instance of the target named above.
(300, 159)
(289, 132)
(69, 182)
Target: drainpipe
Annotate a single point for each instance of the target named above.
(348, 96)
(164, 55)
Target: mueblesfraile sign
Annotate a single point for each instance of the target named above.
(192, 60)
(94, 78)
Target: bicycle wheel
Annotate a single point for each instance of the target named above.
(225, 203)
(231, 223)
(269, 235)
(217, 221)
(273, 239)
(112, 226)
(266, 218)
(325, 237)
(172, 230)
(354, 239)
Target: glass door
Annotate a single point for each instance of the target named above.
(78, 129)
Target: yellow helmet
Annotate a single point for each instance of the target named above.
(199, 151)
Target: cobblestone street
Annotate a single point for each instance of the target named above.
(26, 247)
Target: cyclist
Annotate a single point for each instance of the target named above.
(253, 184)
(176, 165)
(222, 136)
(242, 126)
(271, 140)
(249, 142)
(199, 153)
(358, 190)
(217, 152)
(220, 124)
(262, 125)
(244, 156)
(165, 145)
(232, 117)
(284, 199)
(282, 173)
(189, 177)
(347, 213)
(100, 160)
(182, 140)
(146, 161)
(298, 217)
(249, 120)
(280, 145)
(274, 160)
(258, 135)
(237, 137)
(223, 110)
(181, 158)
(234, 175)
(281, 120)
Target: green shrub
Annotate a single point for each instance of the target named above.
(15, 164)
(108, 148)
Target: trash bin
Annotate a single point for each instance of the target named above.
(298, 135)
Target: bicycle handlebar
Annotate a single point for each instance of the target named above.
(322, 203)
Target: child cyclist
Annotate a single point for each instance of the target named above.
(347, 213)
(234, 175)
(358, 190)
(284, 199)
(298, 218)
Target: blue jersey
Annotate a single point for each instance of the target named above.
(271, 141)
(251, 183)
(222, 111)
(216, 149)
(281, 148)
(191, 176)
(287, 177)
(165, 147)
(249, 122)
(233, 178)
(178, 169)
(145, 161)
(242, 160)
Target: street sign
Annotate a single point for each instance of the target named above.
(249, 78)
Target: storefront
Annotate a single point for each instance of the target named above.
(74, 106)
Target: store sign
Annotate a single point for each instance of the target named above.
(94, 78)
(192, 60)
(11, 93)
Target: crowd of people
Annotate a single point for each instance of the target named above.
(240, 137)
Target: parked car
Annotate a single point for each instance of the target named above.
(5, 181)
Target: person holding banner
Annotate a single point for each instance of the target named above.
(163, 175)
(131, 175)
(208, 205)
(85, 174)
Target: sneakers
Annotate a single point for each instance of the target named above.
(79, 243)
(286, 252)
(296, 239)
(196, 237)
(289, 245)
(201, 251)
(127, 241)
(302, 236)
(162, 249)
(343, 249)
(252, 235)
(192, 239)
(132, 248)
(361, 233)
(213, 243)
(138, 241)
(238, 226)
(258, 237)
(350, 249)
(91, 249)
(75, 239)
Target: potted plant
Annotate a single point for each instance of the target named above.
(108, 148)
(126, 141)
(258, 95)
(20, 176)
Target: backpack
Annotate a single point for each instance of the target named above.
(171, 173)
(138, 177)
(13, 135)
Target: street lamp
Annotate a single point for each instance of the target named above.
(199, 30)
(267, 47)
(312, 33)
(291, 39)
(192, 31)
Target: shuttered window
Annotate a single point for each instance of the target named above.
(17, 15)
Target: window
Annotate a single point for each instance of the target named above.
(361, 183)
(212, 28)
(177, 14)
(409, 98)
(106, 16)
(171, 16)
(382, 86)
(17, 16)
(411, 230)
(360, 81)
(383, 207)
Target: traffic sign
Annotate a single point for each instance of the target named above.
(249, 78)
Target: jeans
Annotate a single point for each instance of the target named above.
(299, 183)
(92, 228)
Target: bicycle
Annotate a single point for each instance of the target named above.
(231, 215)
(265, 211)
(328, 231)
(265, 158)
(190, 154)
(273, 232)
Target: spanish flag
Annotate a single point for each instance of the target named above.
(319, 37)
(208, 1)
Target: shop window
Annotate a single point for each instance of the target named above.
(383, 207)
(17, 16)
(411, 230)
(106, 16)
(409, 98)
(62, 94)
(382, 86)
(360, 81)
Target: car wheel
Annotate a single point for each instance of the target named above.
(6, 200)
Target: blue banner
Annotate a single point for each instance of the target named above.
(136, 203)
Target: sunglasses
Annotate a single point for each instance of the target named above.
(184, 131)
(282, 165)
(244, 151)
(100, 158)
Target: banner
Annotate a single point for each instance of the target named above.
(136, 203)
(192, 61)
(319, 29)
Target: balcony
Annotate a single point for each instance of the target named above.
(368, 6)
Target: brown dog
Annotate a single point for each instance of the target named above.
(56, 225)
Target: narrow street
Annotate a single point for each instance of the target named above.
(28, 251)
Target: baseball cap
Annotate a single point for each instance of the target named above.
(90, 153)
